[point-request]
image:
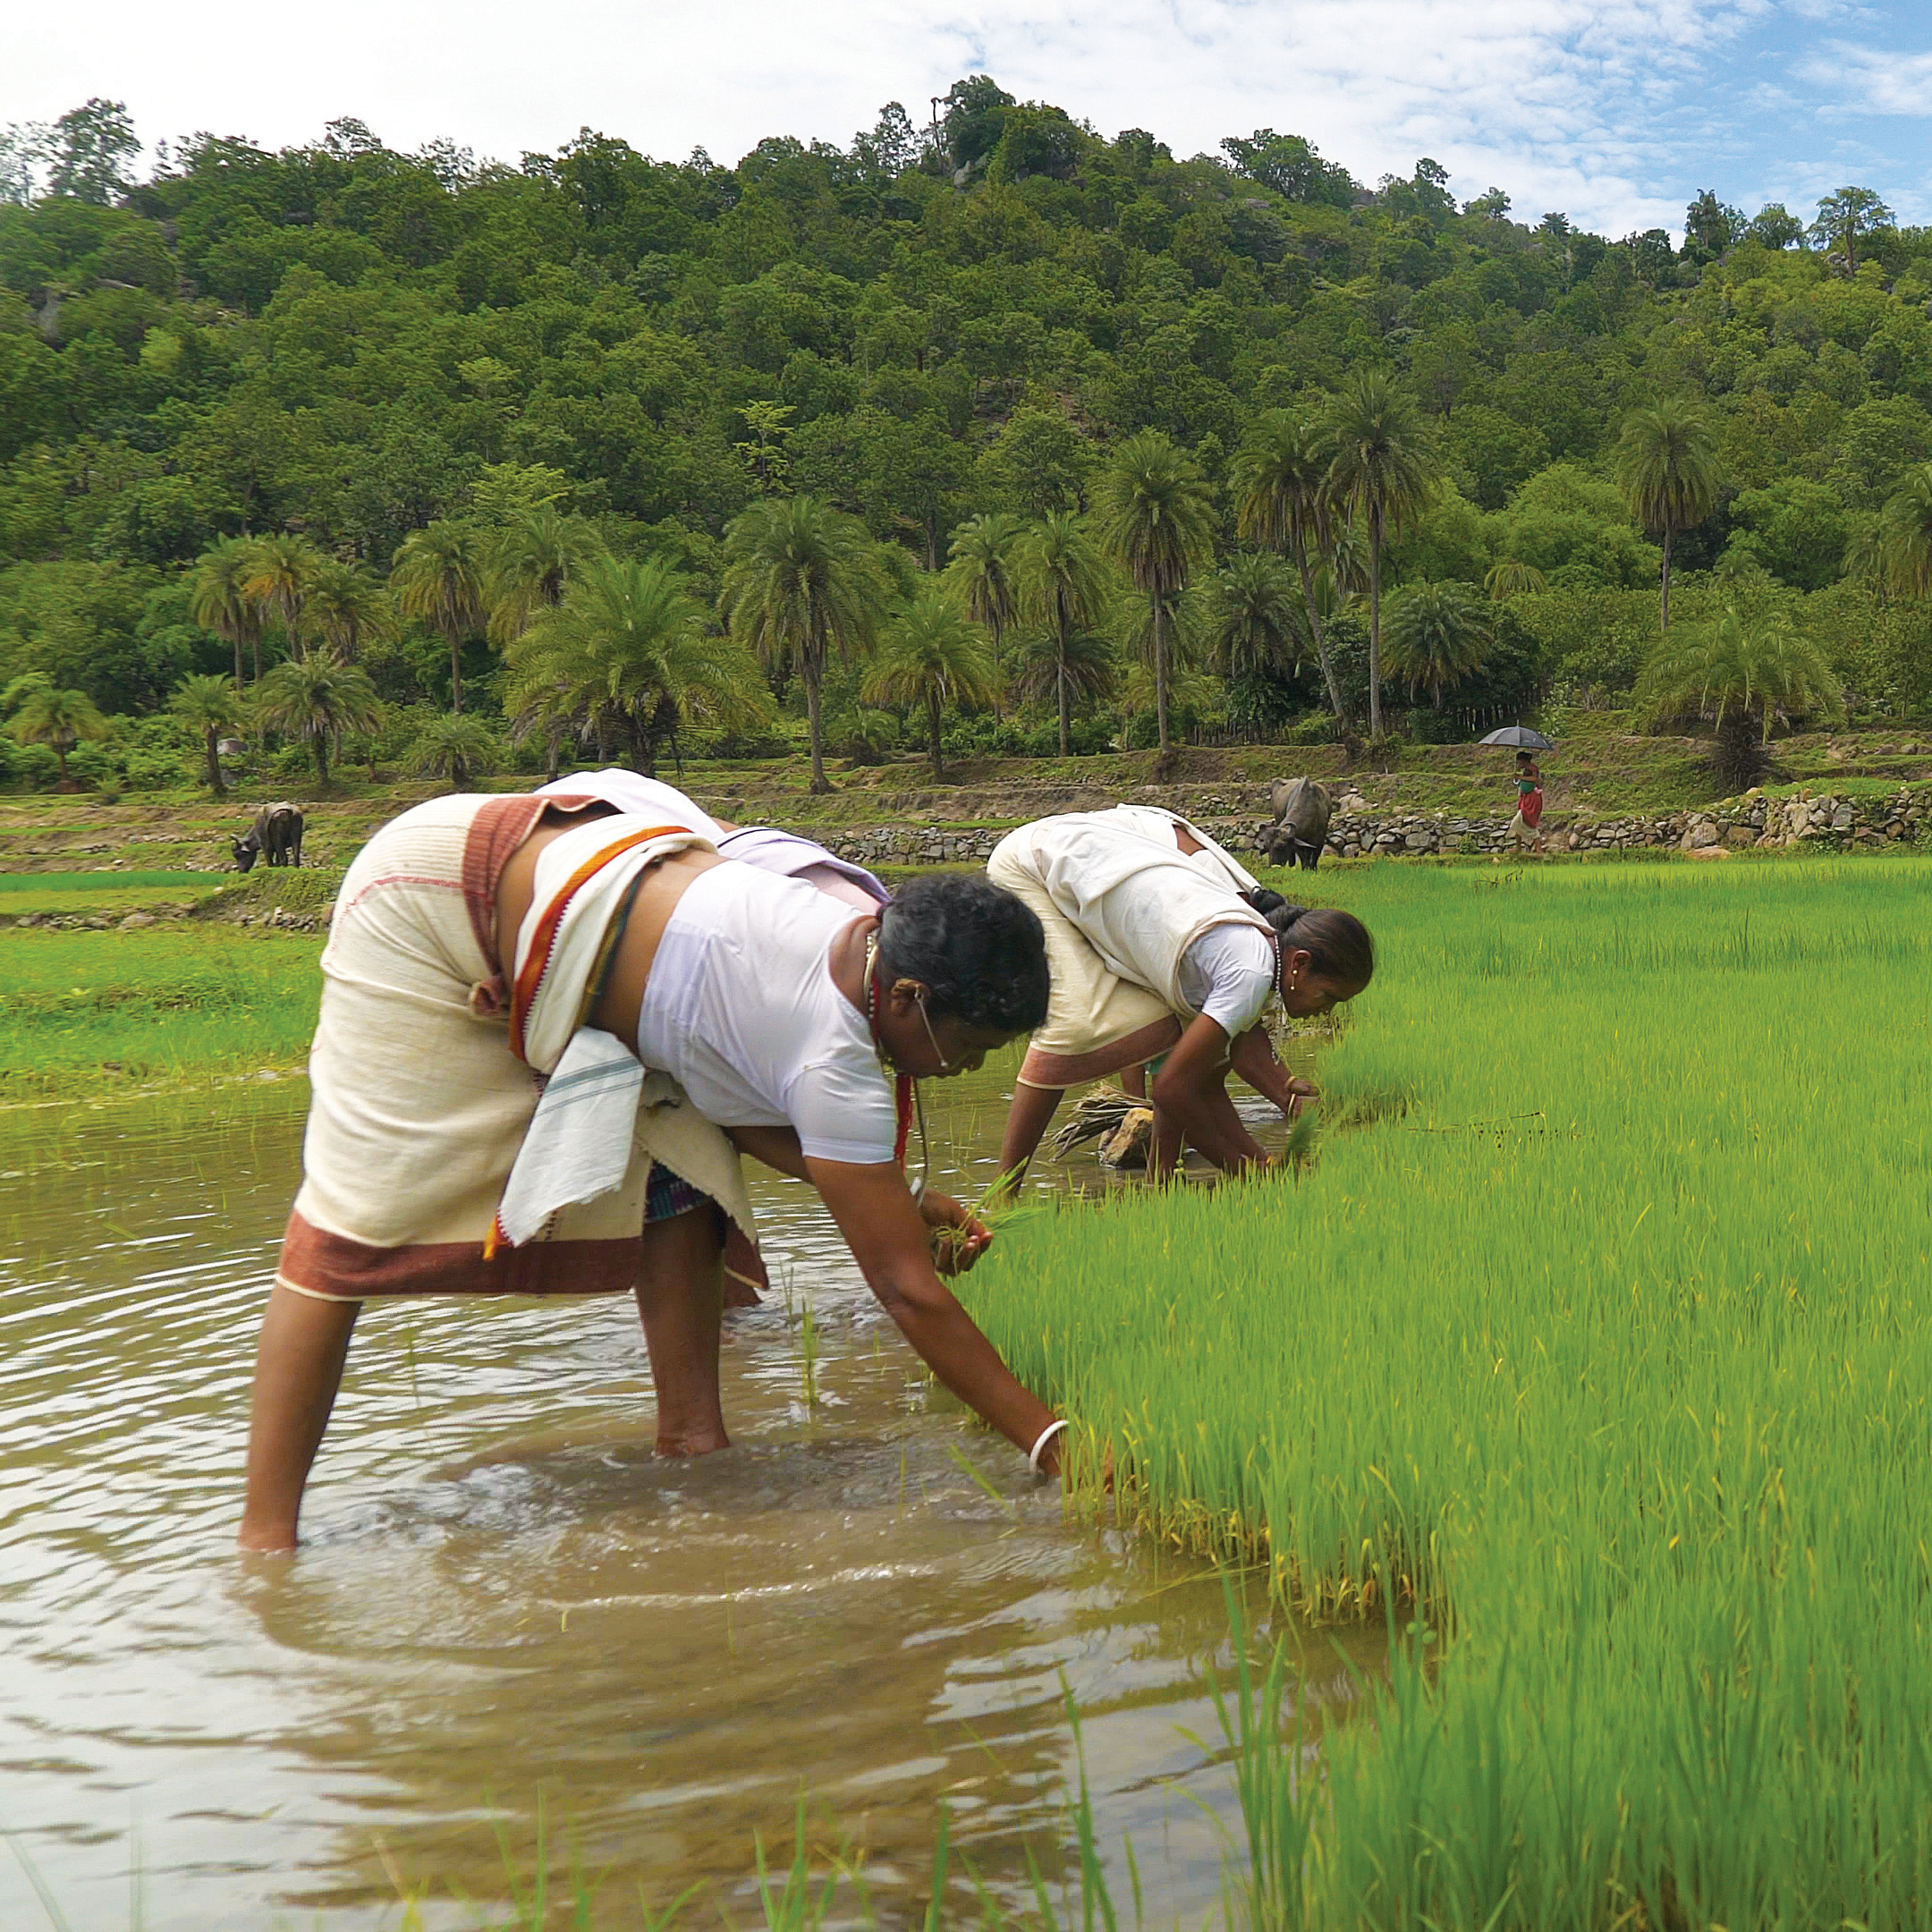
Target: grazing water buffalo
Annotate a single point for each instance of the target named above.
(1302, 809)
(276, 836)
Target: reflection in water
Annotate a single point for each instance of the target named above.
(511, 1618)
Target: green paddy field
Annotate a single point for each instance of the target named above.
(1586, 1351)
(1591, 1349)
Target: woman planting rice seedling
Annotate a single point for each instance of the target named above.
(1163, 945)
(480, 941)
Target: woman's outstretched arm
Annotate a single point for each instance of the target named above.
(1254, 1060)
(1192, 1107)
(883, 1226)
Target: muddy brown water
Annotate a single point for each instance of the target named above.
(514, 1638)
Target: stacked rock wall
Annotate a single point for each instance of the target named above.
(1753, 820)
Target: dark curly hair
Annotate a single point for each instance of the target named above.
(979, 950)
(1339, 947)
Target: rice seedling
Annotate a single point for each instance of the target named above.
(1598, 1365)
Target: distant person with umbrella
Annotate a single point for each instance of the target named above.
(1527, 826)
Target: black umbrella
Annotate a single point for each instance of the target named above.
(1519, 734)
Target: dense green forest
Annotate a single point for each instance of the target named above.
(996, 435)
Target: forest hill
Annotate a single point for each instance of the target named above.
(343, 349)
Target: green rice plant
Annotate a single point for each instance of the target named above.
(32, 886)
(91, 1013)
(1601, 1368)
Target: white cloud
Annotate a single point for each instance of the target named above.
(1564, 103)
(1873, 80)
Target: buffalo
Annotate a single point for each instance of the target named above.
(276, 836)
(1302, 808)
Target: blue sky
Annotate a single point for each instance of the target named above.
(1615, 111)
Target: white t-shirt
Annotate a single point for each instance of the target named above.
(1227, 975)
(741, 1008)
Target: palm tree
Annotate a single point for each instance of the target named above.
(983, 569)
(1667, 465)
(1283, 499)
(629, 646)
(1154, 511)
(218, 602)
(1510, 577)
(57, 719)
(1438, 636)
(1083, 664)
(1383, 467)
(456, 748)
(1904, 551)
(282, 571)
(531, 561)
(439, 577)
(347, 608)
(1739, 672)
(801, 580)
(318, 702)
(1868, 554)
(1250, 613)
(1064, 587)
(932, 653)
(208, 705)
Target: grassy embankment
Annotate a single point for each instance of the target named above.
(96, 1014)
(1599, 1332)
(1602, 766)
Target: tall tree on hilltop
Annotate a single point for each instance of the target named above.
(1283, 499)
(802, 581)
(1384, 468)
(1064, 587)
(440, 578)
(1154, 511)
(932, 653)
(1665, 462)
(91, 146)
(1845, 214)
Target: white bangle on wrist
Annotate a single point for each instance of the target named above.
(1045, 1436)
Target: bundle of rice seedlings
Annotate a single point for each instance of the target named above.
(1098, 1111)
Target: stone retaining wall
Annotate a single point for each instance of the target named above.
(1752, 820)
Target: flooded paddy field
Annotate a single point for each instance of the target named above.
(515, 1639)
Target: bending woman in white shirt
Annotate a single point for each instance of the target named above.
(779, 1010)
(1164, 946)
